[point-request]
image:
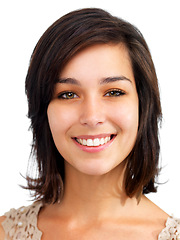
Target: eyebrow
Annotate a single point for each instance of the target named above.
(114, 79)
(103, 81)
(69, 81)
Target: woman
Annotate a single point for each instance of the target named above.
(94, 107)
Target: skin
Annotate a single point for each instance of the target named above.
(99, 99)
(93, 111)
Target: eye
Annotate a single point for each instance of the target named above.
(114, 93)
(67, 95)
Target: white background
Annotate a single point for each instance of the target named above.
(21, 25)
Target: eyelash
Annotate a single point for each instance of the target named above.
(64, 95)
(109, 93)
(117, 92)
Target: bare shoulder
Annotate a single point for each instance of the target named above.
(2, 233)
(154, 212)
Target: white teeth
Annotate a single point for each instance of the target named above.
(96, 142)
(102, 141)
(90, 142)
(84, 142)
(93, 142)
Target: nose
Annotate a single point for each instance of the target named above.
(92, 113)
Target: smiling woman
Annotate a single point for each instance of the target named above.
(94, 107)
(95, 110)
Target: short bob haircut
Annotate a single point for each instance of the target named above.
(61, 41)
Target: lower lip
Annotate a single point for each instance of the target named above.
(96, 148)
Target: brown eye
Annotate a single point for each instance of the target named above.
(67, 95)
(115, 93)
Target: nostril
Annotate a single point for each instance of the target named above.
(92, 115)
(91, 120)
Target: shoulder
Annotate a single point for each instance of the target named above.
(2, 233)
(171, 225)
(20, 222)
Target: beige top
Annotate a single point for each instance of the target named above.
(21, 224)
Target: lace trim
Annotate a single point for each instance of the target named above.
(171, 231)
(21, 224)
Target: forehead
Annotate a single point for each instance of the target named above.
(99, 61)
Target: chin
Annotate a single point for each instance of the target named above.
(96, 169)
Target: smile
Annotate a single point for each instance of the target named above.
(93, 142)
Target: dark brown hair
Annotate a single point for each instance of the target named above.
(68, 35)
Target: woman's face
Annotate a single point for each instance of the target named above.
(93, 115)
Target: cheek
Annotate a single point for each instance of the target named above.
(59, 120)
(126, 117)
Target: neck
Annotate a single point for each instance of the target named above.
(95, 197)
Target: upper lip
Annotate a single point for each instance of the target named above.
(95, 136)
